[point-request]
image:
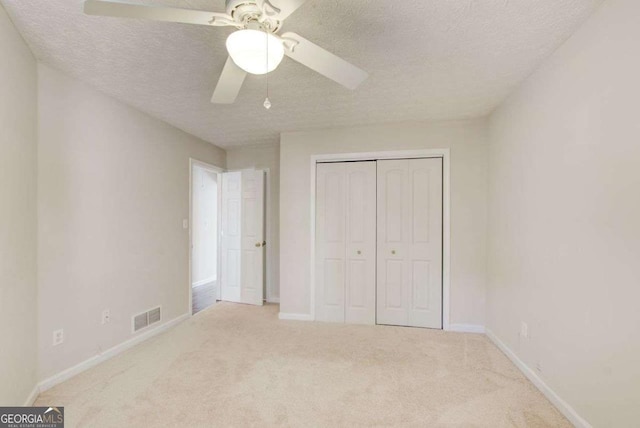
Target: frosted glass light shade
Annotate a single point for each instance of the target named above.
(248, 49)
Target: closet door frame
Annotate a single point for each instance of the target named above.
(445, 155)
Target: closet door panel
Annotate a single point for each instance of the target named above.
(409, 250)
(357, 289)
(361, 242)
(330, 270)
(426, 242)
(395, 204)
(393, 296)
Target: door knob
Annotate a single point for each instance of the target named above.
(258, 245)
(264, 243)
(393, 251)
(359, 252)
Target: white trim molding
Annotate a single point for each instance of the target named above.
(268, 217)
(445, 154)
(467, 328)
(203, 282)
(33, 396)
(295, 317)
(564, 407)
(108, 354)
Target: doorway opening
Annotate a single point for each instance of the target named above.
(205, 231)
(228, 229)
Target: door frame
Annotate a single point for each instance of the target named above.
(268, 230)
(445, 155)
(216, 169)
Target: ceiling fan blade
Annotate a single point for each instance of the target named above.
(122, 9)
(281, 9)
(323, 61)
(229, 84)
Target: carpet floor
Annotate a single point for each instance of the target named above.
(239, 366)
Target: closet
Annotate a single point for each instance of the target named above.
(378, 255)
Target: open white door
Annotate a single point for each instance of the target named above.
(230, 238)
(242, 237)
(253, 243)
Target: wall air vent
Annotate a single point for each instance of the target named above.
(145, 319)
(154, 315)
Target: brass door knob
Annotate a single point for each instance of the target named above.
(393, 251)
(359, 252)
(258, 245)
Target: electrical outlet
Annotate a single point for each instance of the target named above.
(58, 337)
(524, 330)
(106, 316)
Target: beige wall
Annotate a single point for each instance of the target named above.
(468, 143)
(262, 157)
(18, 172)
(113, 191)
(565, 219)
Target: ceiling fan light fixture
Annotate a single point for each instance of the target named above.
(248, 49)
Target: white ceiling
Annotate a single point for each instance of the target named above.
(427, 59)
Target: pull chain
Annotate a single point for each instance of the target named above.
(267, 102)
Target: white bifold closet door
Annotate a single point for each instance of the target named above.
(346, 242)
(242, 237)
(409, 262)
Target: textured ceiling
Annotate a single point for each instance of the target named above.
(427, 59)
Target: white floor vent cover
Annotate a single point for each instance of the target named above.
(145, 319)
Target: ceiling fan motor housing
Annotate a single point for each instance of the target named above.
(250, 14)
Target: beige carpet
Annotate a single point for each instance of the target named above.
(239, 366)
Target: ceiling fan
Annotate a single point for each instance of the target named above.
(256, 47)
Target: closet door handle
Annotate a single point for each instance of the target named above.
(393, 251)
(359, 252)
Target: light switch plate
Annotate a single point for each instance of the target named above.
(58, 337)
(524, 330)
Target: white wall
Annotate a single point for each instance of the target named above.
(205, 226)
(565, 219)
(468, 143)
(113, 192)
(262, 157)
(18, 180)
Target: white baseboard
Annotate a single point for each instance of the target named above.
(295, 317)
(203, 282)
(32, 396)
(466, 328)
(109, 353)
(564, 407)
